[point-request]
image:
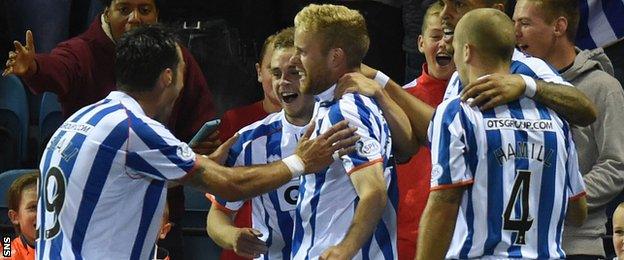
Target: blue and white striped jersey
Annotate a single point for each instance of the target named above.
(521, 64)
(327, 199)
(600, 23)
(519, 165)
(103, 182)
(262, 142)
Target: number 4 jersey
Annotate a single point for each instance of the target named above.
(519, 166)
(262, 142)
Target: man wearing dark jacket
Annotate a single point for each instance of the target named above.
(546, 29)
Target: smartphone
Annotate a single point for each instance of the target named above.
(207, 129)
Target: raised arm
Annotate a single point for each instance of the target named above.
(370, 187)
(240, 183)
(498, 89)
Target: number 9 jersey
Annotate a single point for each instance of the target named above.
(519, 167)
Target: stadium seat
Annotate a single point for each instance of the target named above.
(50, 118)
(13, 123)
(199, 247)
(6, 179)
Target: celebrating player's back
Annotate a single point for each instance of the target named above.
(504, 176)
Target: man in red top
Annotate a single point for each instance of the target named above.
(415, 175)
(237, 118)
(81, 71)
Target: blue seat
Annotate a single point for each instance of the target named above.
(6, 179)
(200, 246)
(50, 118)
(13, 123)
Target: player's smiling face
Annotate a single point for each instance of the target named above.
(439, 61)
(533, 34)
(311, 61)
(286, 85)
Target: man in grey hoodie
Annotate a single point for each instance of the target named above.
(546, 29)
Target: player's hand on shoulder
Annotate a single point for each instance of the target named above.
(247, 243)
(357, 82)
(208, 145)
(21, 61)
(318, 153)
(493, 90)
(336, 253)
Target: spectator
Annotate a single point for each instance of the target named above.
(618, 231)
(22, 200)
(546, 29)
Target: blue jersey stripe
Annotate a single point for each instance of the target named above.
(583, 37)
(96, 180)
(154, 141)
(613, 11)
(470, 225)
(150, 203)
(382, 236)
(546, 202)
(298, 234)
(494, 187)
(269, 240)
(318, 185)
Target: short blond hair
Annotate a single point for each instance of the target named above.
(434, 10)
(339, 26)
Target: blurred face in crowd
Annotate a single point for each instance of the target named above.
(312, 62)
(264, 75)
(286, 82)
(618, 232)
(26, 216)
(439, 61)
(533, 34)
(124, 15)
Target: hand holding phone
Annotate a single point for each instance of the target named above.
(207, 129)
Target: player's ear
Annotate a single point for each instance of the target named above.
(337, 57)
(467, 53)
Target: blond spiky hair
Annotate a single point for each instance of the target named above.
(339, 26)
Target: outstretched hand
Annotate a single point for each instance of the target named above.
(220, 155)
(21, 61)
(318, 153)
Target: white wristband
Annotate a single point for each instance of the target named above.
(295, 165)
(530, 86)
(381, 78)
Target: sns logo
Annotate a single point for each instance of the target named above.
(368, 148)
(185, 152)
(6, 246)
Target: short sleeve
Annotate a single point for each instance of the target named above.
(448, 165)
(357, 110)
(154, 152)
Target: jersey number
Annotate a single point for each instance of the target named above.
(53, 198)
(522, 225)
